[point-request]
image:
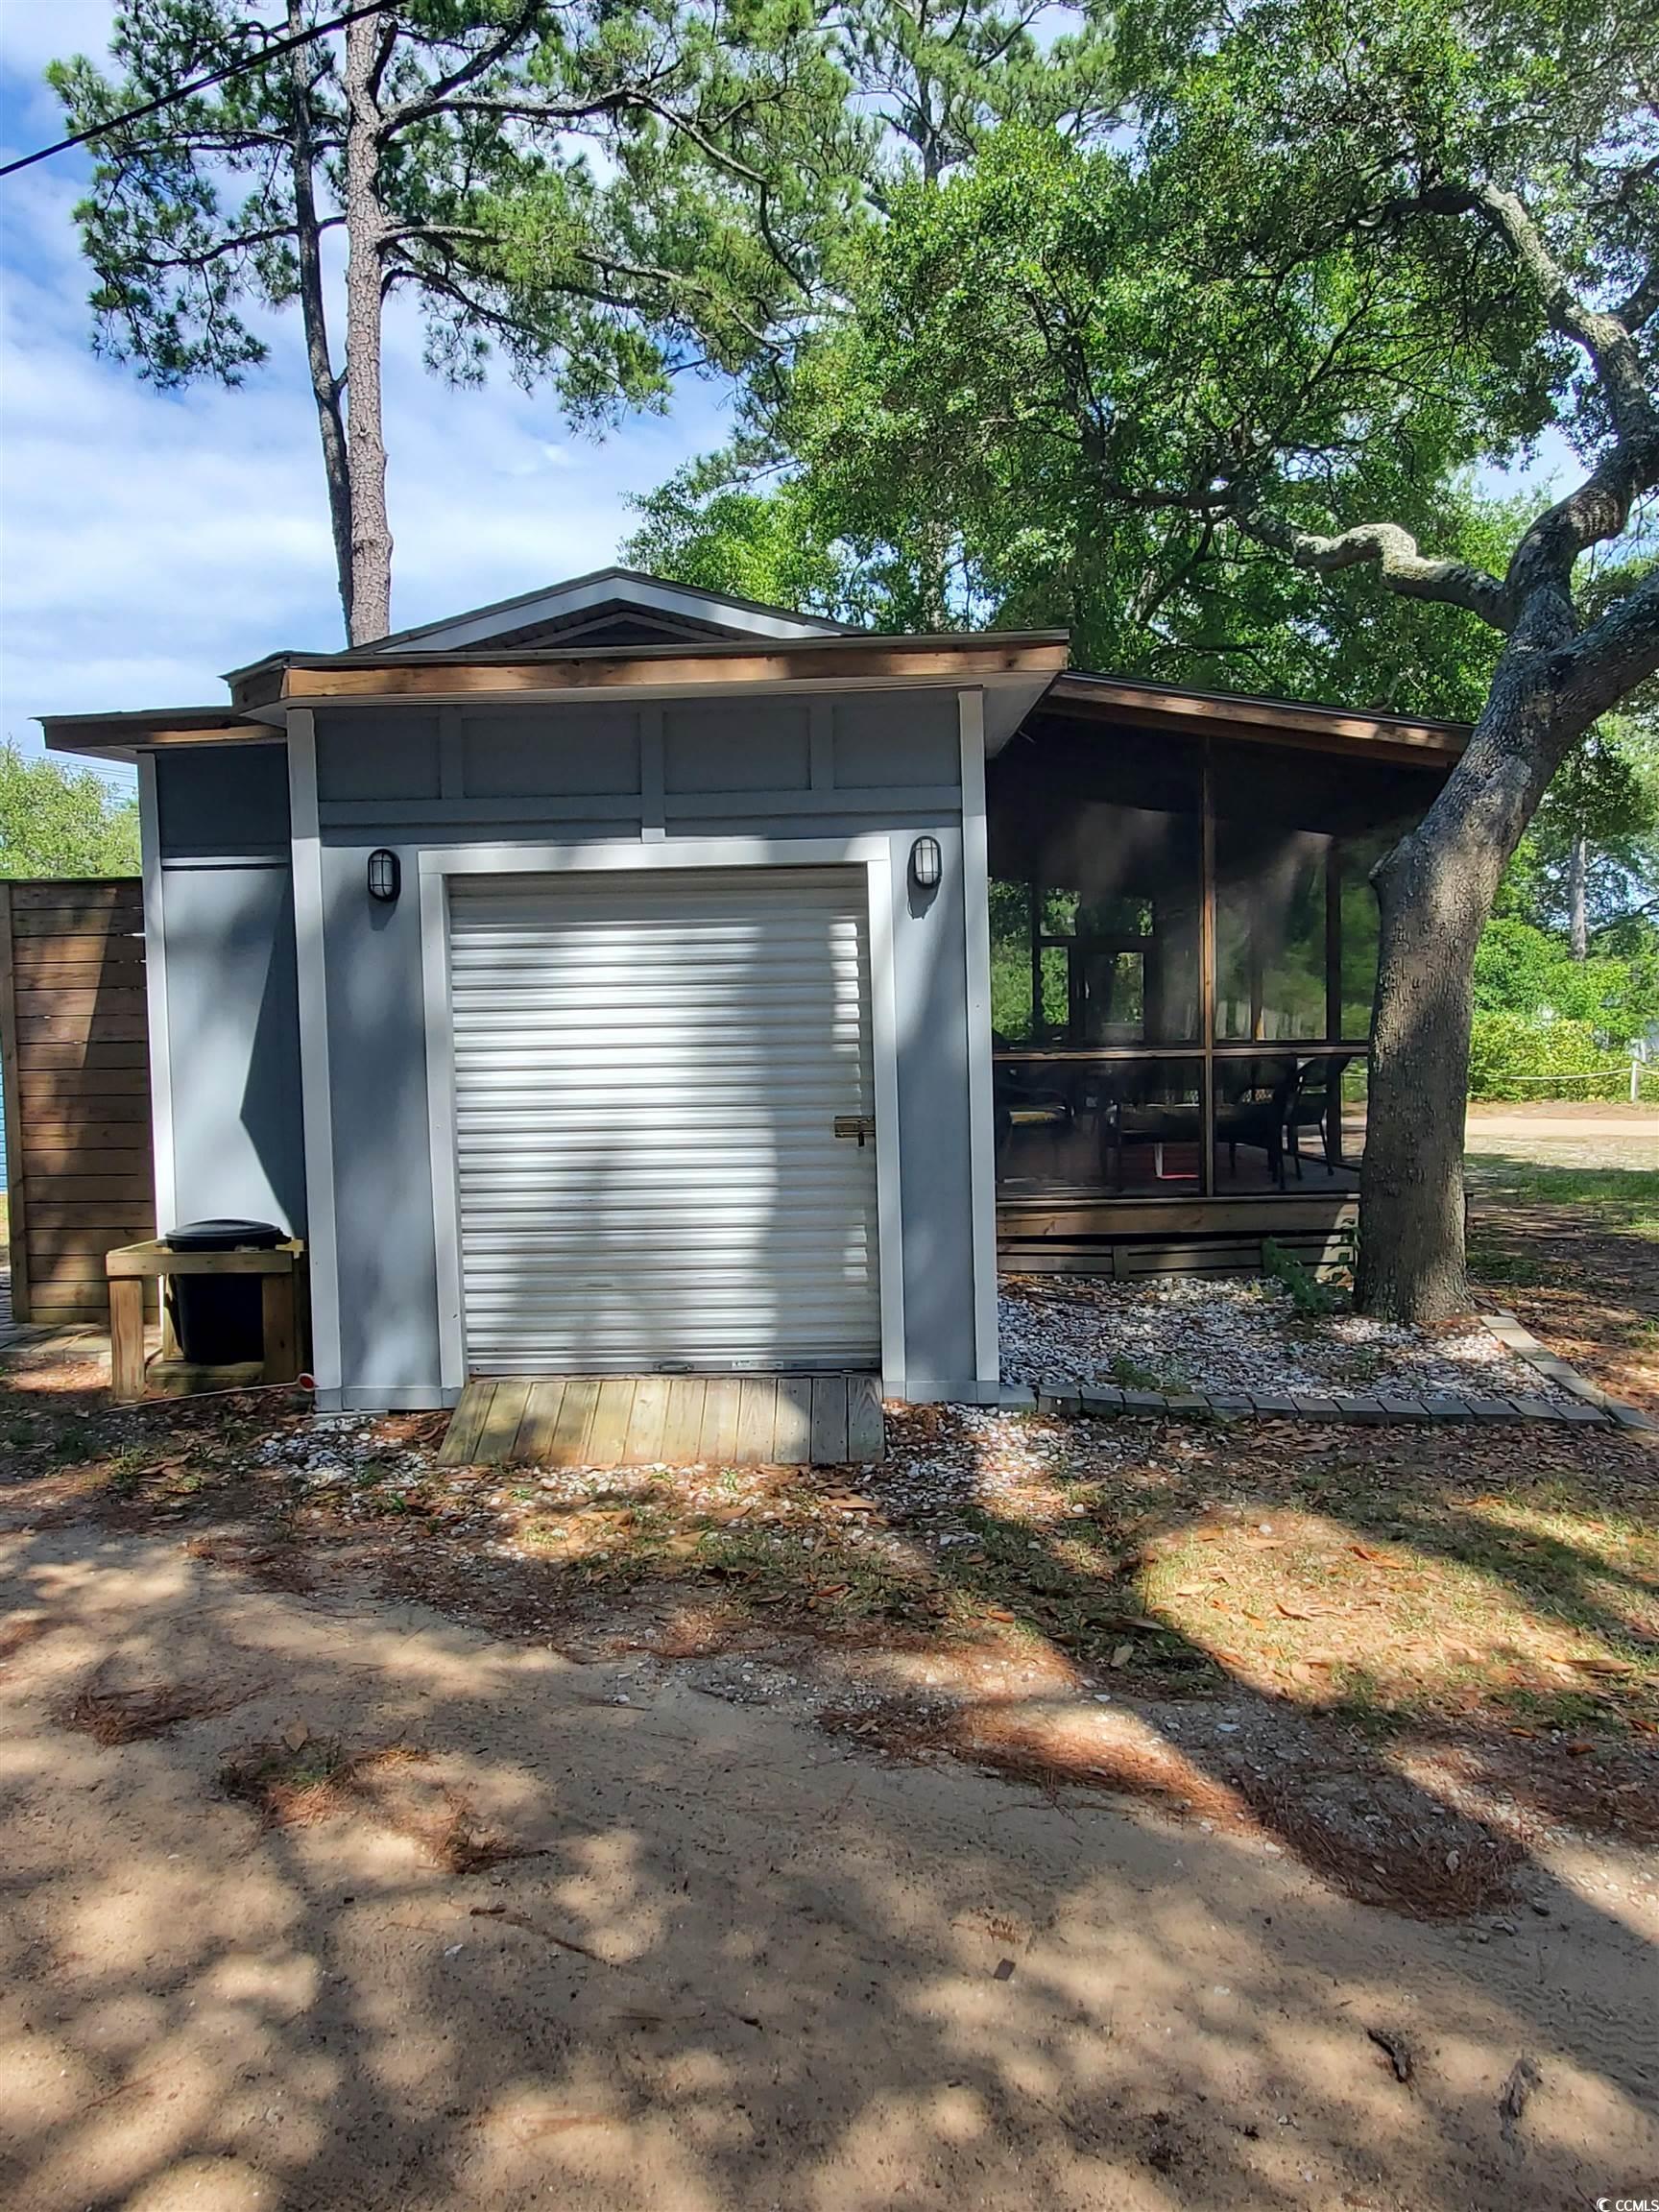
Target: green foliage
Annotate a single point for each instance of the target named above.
(593, 192)
(1310, 1297)
(942, 80)
(601, 193)
(1529, 972)
(941, 444)
(59, 821)
(1104, 378)
(702, 529)
(1513, 1056)
(1010, 908)
(1606, 794)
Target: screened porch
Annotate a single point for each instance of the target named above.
(1183, 949)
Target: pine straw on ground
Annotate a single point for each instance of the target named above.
(301, 1780)
(141, 1712)
(1378, 1839)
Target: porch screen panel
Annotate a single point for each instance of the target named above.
(648, 1074)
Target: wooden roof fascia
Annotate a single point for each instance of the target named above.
(121, 735)
(1263, 721)
(938, 660)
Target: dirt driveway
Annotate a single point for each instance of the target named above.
(395, 1916)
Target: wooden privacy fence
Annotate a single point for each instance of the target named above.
(73, 1043)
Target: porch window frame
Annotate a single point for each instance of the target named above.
(1207, 1051)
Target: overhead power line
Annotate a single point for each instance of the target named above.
(270, 53)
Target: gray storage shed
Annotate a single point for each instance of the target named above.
(598, 982)
(630, 979)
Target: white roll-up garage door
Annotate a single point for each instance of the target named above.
(648, 1074)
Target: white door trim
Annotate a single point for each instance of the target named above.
(441, 1127)
(162, 1154)
(316, 1094)
(981, 1104)
(871, 852)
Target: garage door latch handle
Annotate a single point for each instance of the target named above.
(860, 1125)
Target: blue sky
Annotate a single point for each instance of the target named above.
(149, 541)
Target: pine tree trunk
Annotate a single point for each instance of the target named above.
(366, 447)
(1436, 890)
(1577, 898)
(325, 386)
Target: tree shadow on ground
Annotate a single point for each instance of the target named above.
(747, 1963)
(742, 1969)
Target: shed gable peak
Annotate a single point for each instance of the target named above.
(620, 606)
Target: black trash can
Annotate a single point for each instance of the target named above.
(219, 1319)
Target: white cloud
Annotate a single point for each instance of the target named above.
(150, 541)
(36, 32)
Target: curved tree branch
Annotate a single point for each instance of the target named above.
(1394, 551)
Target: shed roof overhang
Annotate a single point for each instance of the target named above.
(1240, 718)
(1018, 668)
(1013, 670)
(124, 736)
(1017, 671)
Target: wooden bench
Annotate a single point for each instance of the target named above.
(281, 1304)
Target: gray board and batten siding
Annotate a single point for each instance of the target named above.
(223, 1010)
(858, 765)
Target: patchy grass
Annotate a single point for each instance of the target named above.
(1624, 1200)
(1487, 1605)
(1575, 1250)
(1132, 1374)
(294, 1783)
(1394, 1578)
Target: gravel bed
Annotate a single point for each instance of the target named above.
(1184, 1333)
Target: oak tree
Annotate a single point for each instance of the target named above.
(1224, 388)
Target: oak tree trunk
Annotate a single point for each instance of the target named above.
(1577, 898)
(370, 614)
(1411, 1258)
(1436, 890)
(326, 387)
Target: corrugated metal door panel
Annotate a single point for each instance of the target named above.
(648, 1071)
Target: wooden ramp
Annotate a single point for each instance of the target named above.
(666, 1420)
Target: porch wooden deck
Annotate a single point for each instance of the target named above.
(666, 1420)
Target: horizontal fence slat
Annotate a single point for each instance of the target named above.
(94, 1057)
(47, 1185)
(37, 960)
(126, 1177)
(88, 1241)
(70, 1277)
(74, 1026)
(69, 1086)
(80, 921)
(125, 1222)
(95, 996)
(29, 893)
(100, 946)
(69, 1134)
